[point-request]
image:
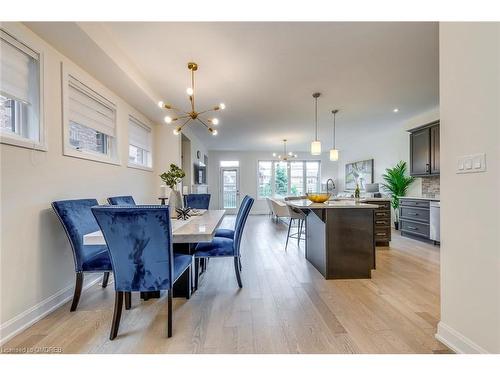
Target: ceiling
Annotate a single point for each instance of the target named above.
(265, 73)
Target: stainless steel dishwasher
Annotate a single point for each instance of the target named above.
(434, 221)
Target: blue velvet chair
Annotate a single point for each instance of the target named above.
(229, 233)
(77, 220)
(200, 201)
(225, 247)
(123, 200)
(139, 240)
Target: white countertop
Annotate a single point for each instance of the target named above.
(422, 198)
(305, 203)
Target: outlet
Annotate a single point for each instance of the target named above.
(472, 163)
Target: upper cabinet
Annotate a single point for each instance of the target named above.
(424, 150)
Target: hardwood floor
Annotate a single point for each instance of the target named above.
(285, 306)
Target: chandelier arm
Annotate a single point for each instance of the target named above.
(192, 87)
(200, 120)
(206, 111)
(185, 122)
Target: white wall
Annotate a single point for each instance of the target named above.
(386, 145)
(470, 206)
(248, 173)
(37, 269)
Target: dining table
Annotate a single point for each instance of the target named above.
(199, 227)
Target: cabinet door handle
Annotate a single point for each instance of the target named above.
(427, 167)
(412, 213)
(412, 228)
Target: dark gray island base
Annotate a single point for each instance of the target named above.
(340, 241)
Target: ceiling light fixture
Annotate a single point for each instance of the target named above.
(395, 110)
(334, 153)
(316, 144)
(193, 114)
(286, 155)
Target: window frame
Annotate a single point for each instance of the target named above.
(113, 157)
(14, 139)
(273, 175)
(141, 122)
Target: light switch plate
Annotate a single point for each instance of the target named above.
(472, 163)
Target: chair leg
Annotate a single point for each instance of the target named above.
(237, 270)
(128, 300)
(299, 231)
(169, 320)
(105, 279)
(288, 234)
(239, 261)
(189, 285)
(78, 291)
(117, 314)
(196, 272)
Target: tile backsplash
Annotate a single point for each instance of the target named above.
(430, 187)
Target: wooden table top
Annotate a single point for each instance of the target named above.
(196, 229)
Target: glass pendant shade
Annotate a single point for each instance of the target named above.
(315, 148)
(334, 154)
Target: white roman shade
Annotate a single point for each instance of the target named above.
(139, 135)
(88, 108)
(18, 63)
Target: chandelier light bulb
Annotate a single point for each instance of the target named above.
(222, 106)
(189, 91)
(274, 154)
(161, 104)
(215, 121)
(177, 131)
(168, 119)
(214, 132)
(290, 153)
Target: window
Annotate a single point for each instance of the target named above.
(283, 178)
(139, 139)
(20, 119)
(229, 163)
(90, 123)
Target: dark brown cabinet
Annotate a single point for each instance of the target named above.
(424, 150)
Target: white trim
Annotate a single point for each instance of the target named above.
(139, 166)
(456, 341)
(27, 318)
(18, 141)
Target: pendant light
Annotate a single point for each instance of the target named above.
(334, 153)
(316, 144)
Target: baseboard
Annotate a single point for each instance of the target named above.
(27, 318)
(456, 341)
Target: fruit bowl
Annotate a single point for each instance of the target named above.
(318, 197)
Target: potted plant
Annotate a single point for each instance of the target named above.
(171, 179)
(396, 183)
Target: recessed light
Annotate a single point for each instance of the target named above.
(395, 110)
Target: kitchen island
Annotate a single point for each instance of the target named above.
(340, 240)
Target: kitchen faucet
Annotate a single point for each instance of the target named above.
(328, 184)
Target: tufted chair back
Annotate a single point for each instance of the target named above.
(139, 240)
(77, 220)
(122, 200)
(200, 201)
(240, 222)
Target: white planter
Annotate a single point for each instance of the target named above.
(175, 201)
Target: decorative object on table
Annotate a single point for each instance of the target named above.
(183, 213)
(357, 192)
(316, 144)
(286, 155)
(318, 197)
(163, 191)
(397, 183)
(171, 179)
(359, 172)
(334, 153)
(186, 117)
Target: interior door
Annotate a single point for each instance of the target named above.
(230, 189)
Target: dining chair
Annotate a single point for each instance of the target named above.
(229, 233)
(280, 209)
(295, 215)
(77, 220)
(225, 247)
(122, 200)
(139, 240)
(270, 207)
(200, 201)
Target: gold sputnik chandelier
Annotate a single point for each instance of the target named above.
(186, 117)
(286, 155)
